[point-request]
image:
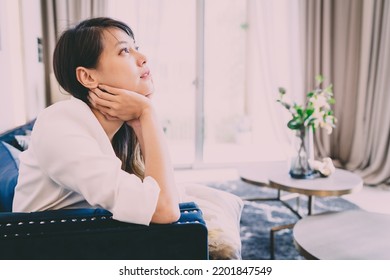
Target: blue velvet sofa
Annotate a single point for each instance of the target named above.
(88, 233)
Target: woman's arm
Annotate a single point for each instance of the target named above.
(73, 161)
(136, 125)
(158, 166)
(133, 107)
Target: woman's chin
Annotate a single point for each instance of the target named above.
(148, 92)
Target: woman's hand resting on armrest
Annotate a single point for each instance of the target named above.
(137, 111)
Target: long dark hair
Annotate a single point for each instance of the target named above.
(82, 45)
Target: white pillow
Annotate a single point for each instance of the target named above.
(222, 214)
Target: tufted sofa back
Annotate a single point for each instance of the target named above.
(88, 233)
(10, 149)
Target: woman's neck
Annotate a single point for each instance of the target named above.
(111, 127)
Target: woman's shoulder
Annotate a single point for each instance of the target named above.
(70, 106)
(71, 113)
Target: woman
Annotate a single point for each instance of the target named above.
(103, 147)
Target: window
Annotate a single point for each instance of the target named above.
(232, 115)
(228, 131)
(251, 49)
(165, 32)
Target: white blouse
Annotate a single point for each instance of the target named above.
(70, 163)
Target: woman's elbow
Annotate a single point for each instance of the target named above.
(174, 216)
(167, 215)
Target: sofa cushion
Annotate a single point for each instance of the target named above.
(15, 153)
(8, 178)
(23, 141)
(9, 136)
(222, 213)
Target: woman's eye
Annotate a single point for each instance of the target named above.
(125, 50)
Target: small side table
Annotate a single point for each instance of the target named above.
(340, 183)
(347, 235)
(275, 175)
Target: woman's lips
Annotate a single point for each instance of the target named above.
(145, 75)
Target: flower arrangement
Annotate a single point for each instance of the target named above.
(316, 112)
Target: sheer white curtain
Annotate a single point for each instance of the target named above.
(274, 59)
(165, 33)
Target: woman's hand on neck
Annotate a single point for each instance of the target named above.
(110, 125)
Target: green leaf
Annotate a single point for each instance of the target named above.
(298, 109)
(294, 124)
(310, 94)
(311, 122)
(309, 112)
(284, 104)
(331, 101)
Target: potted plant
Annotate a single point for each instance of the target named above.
(315, 113)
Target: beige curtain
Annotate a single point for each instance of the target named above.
(348, 42)
(57, 16)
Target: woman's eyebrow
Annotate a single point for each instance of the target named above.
(122, 43)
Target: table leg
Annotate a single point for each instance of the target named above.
(310, 205)
(272, 238)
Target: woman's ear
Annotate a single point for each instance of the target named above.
(86, 77)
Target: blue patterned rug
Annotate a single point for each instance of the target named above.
(258, 217)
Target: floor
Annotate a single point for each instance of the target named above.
(373, 199)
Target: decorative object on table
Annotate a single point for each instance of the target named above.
(306, 118)
(325, 167)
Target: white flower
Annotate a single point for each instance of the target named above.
(328, 123)
(316, 112)
(320, 101)
(317, 118)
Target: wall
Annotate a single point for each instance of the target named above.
(33, 57)
(21, 74)
(12, 99)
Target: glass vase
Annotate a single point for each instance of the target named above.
(303, 149)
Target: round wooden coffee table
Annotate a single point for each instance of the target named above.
(275, 175)
(347, 235)
(341, 182)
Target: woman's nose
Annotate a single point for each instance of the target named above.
(141, 59)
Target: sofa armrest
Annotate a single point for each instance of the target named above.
(93, 234)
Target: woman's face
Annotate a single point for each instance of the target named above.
(121, 65)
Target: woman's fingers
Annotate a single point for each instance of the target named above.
(108, 113)
(120, 103)
(109, 117)
(113, 93)
(104, 95)
(97, 100)
(110, 90)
